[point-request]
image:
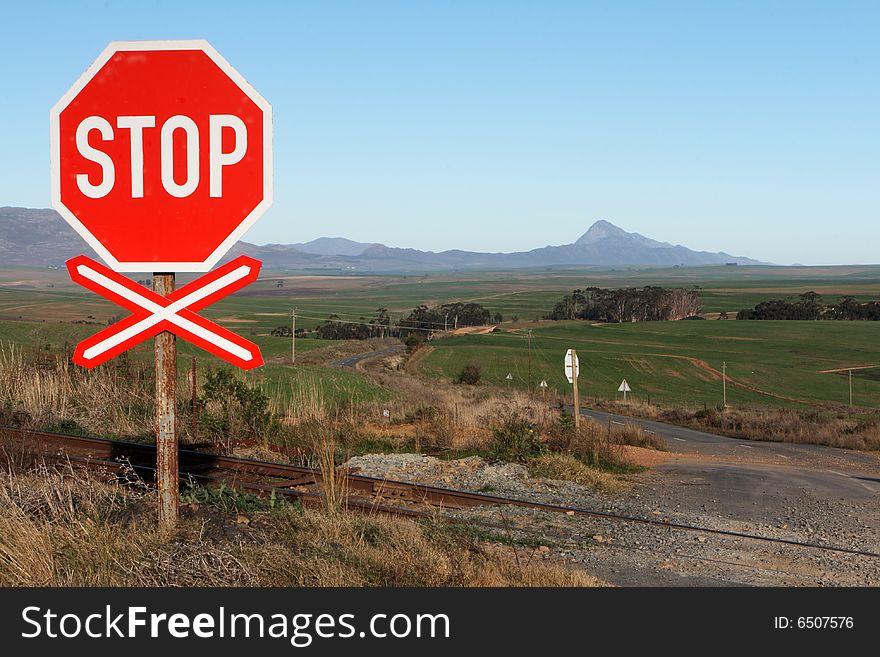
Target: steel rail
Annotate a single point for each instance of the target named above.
(382, 488)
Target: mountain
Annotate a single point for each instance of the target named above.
(332, 246)
(37, 238)
(603, 245)
(41, 238)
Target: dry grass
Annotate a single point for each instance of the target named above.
(455, 416)
(62, 528)
(46, 389)
(334, 483)
(835, 428)
(569, 468)
(632, 434)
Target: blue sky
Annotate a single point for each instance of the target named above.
(752, 127)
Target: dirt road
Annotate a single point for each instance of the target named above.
(821, 498)
(809, 493)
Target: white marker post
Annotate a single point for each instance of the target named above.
(724, 384)
(572, 369)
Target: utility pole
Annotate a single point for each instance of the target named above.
(530, 362)
(167, 477)
(293, 337)
(724, 383)
(850, 389)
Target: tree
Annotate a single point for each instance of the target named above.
(650, 303)
(470, 374)
(809, 307)
(381, 323)
(423, 318)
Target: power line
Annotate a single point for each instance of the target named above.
(363, 316)
(347, 321)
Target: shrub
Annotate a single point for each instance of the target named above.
(595, 446)
(70, 427)
(470, 374)
(706, 414)
(231, 410)
(422, 414)
(565, 424)
(413, 342)
(516, 439)
(231, 500)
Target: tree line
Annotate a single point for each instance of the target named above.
(422, 320)
(446, 316)
(647, 304)
(809, 306)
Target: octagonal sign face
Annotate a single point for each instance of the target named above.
(161, 156)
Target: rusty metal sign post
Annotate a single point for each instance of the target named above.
(161, 159)
(167, 475)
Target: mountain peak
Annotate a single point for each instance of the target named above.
(599, 231)
(41, 237)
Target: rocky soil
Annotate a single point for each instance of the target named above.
(631, 553)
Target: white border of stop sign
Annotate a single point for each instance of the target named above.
(85, 78)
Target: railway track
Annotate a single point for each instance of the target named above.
(367, 494)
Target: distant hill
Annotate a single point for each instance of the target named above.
(42, 238)
(37, 238)
(332, 246)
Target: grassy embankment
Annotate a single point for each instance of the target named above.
(62, 528)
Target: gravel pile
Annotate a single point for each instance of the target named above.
(472, 474)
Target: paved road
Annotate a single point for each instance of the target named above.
(690, 441)
(352, 361)
(753, 480)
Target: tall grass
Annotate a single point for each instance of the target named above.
(44, 390)
(334, 483)
(63, 528)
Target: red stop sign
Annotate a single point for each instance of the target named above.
(161, 156)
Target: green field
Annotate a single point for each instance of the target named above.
(48, 294)
(781, 362)
(337, 389)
